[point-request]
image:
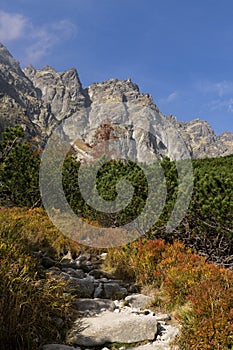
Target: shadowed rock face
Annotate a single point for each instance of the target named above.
(41, 99)
(19, 102)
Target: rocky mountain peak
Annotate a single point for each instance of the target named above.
(61, 92)
(8, 60)
(116, 90)
(38, 99)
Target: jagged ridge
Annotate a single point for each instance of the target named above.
(40, 99)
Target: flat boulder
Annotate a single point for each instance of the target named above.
(138, 300)
(109, 327)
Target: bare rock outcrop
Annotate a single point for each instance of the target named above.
(39, 100)
(19, 102)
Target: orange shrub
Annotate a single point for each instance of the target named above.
(137, 261)
(210, 324)
(35, 225)
(180, 270)
(181, 277)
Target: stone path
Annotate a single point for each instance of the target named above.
(109, 310)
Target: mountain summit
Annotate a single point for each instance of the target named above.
(39, 100)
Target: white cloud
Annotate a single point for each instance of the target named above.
(219, 94)
(221, 88)
(45, 38)
(39, 41)
(222, 105)
(170, 98)
(224, 88)
(66, 28)
(12, 26)
(230, 105)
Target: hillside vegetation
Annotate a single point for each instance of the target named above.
(177, 267)
(30, 304)
(207, 225)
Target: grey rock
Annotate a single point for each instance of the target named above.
(109, 327)
(164, 340)
(138, 300)
(226, 140)
(19, 101)
(80, 286)
(167, 335)
(59, 347)
(95, 305)
(69, 265)
(201, 140)
(74, 273)
(8, 60)
(112, 291)
(100, 273)
(61, 93)
(99, 291)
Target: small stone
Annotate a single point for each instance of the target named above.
(103, 256)
(117, 311)
(67, 259)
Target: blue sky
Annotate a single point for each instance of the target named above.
(179, 51)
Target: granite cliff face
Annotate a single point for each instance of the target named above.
(39, 100)
(19, 100)
(61, 94)
(201, 139)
